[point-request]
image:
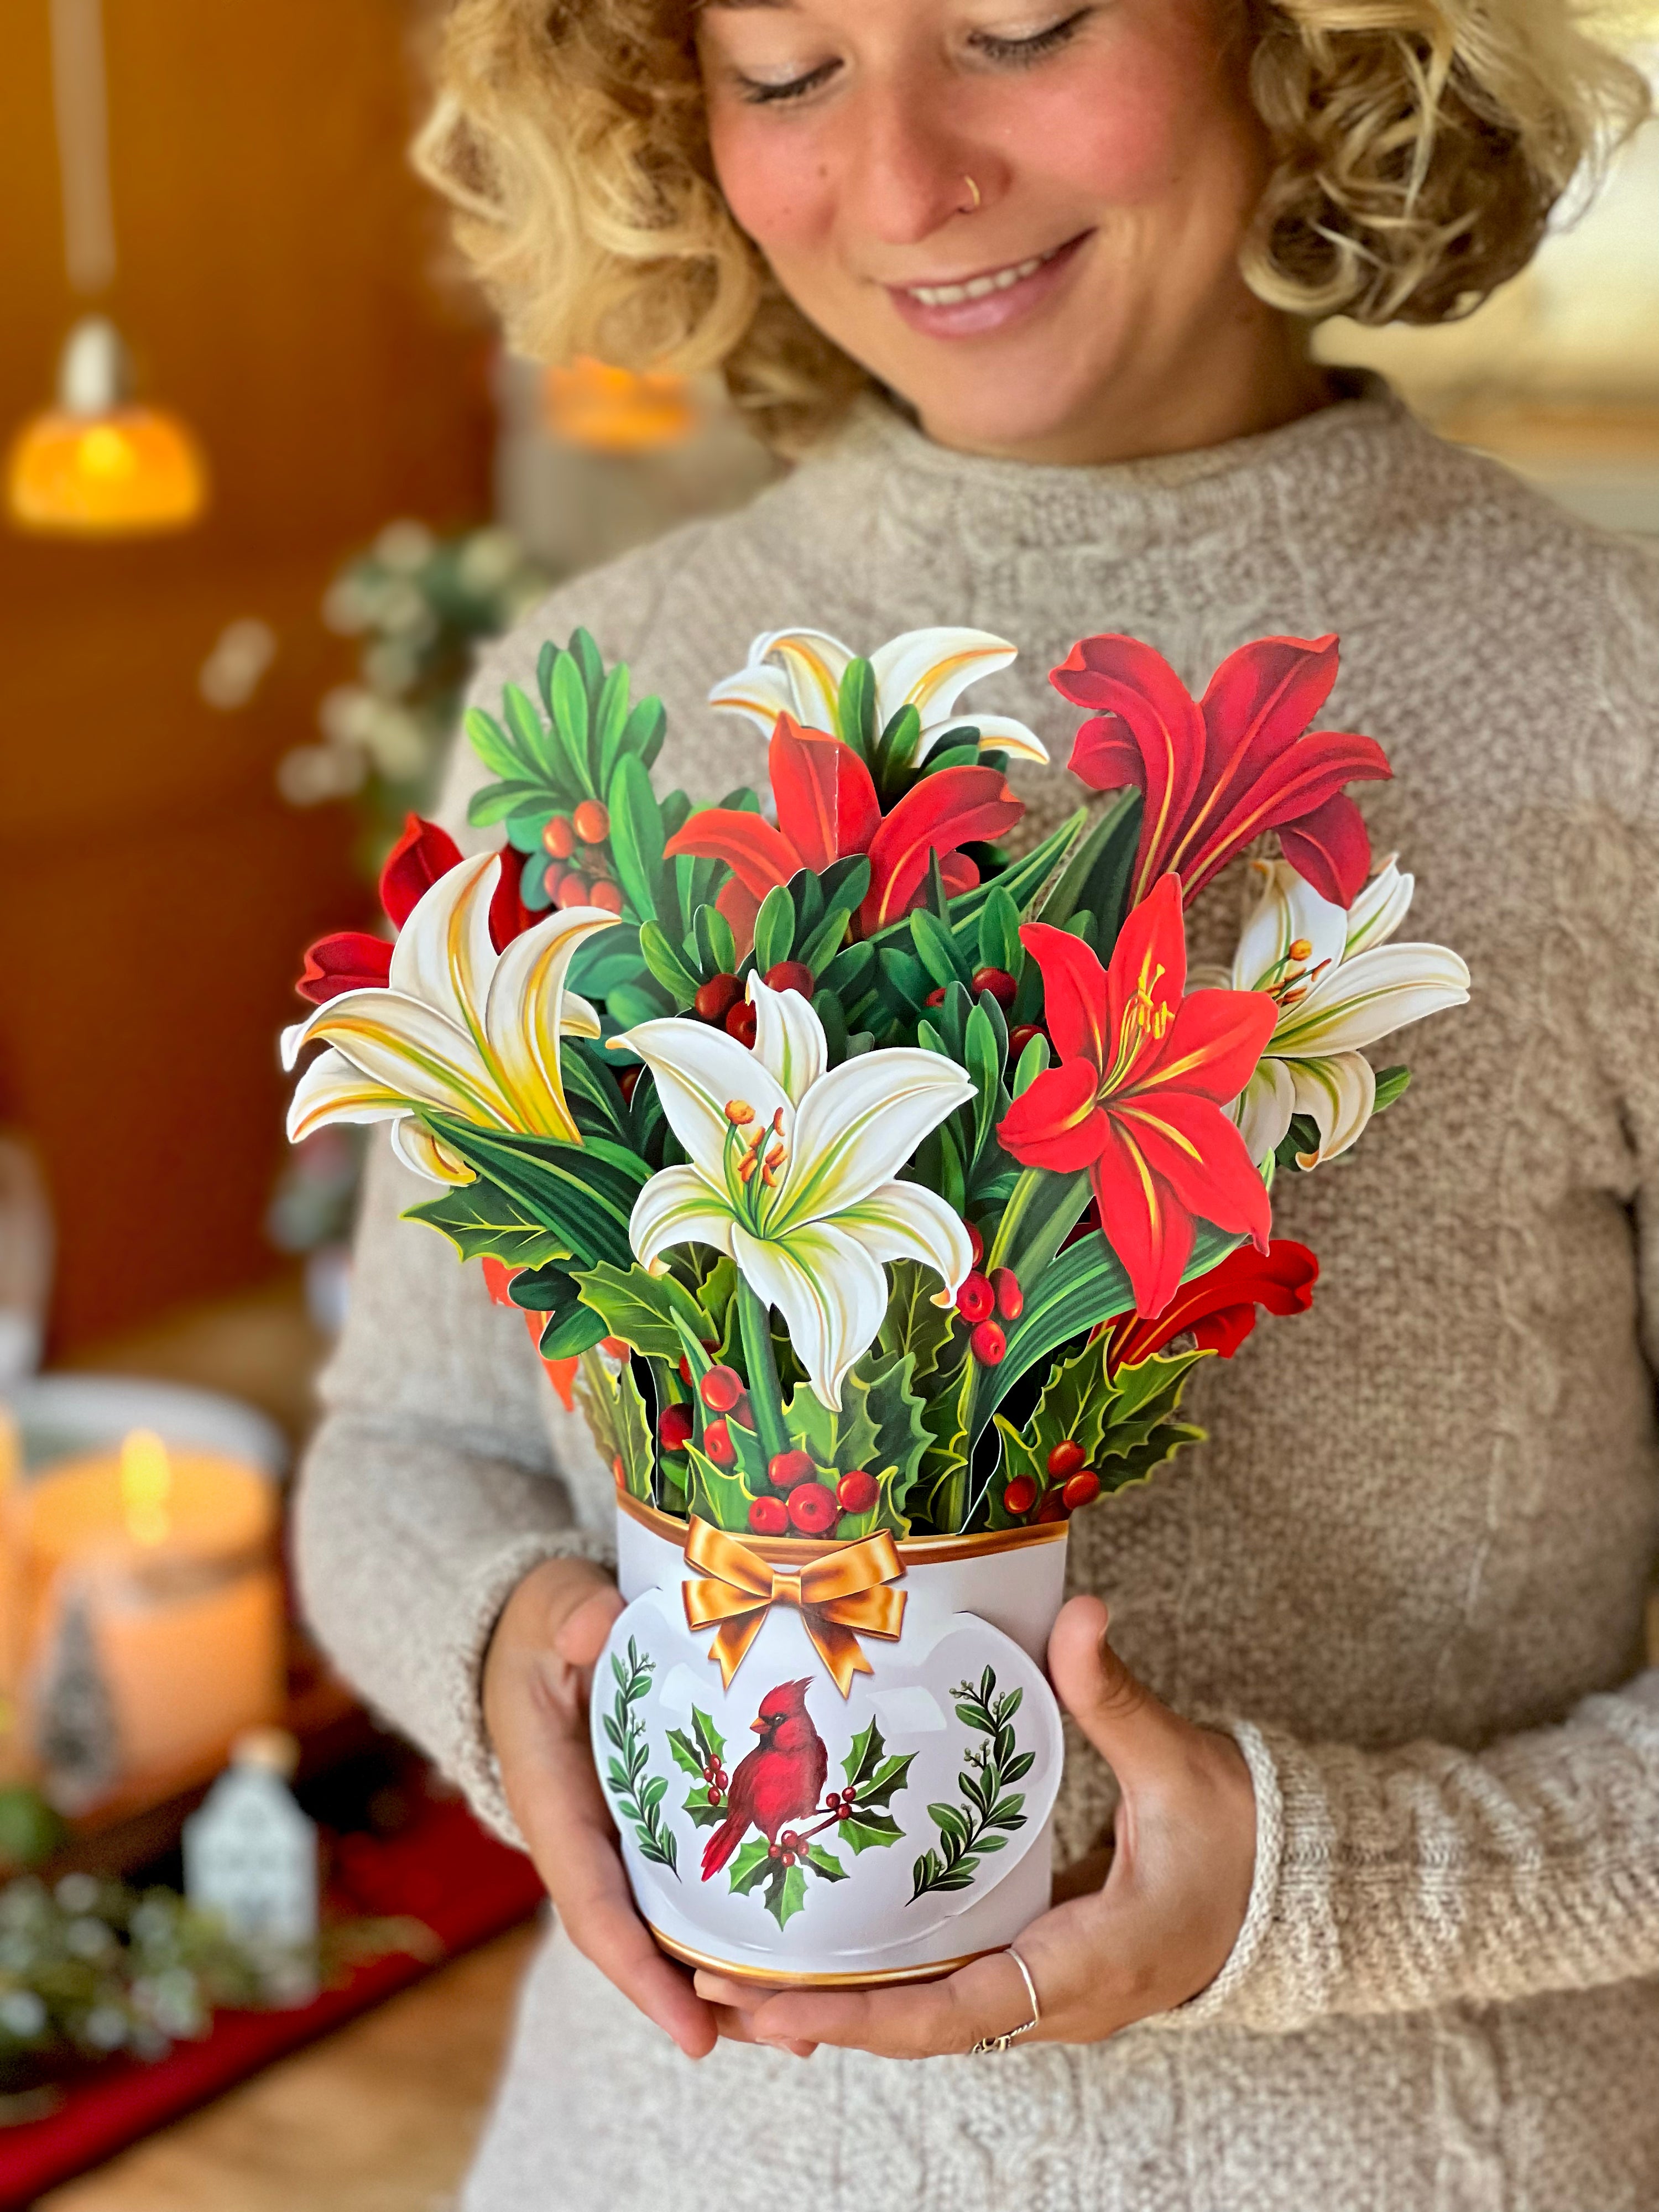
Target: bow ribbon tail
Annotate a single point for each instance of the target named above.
(836, 1646)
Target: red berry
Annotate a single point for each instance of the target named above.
(786, 1469)
(721, 1778)
(1053, 1507)
(988, 1344)
(935, 997)
(790, 1840)
(740, 1023)
(813, 1509)
(721, 1389)
(715, 1797)
(572, 891)
(606, 895)
(975, 1242)
(744, 1414)
(857, 1492)
(558, 837)
(789, 1858)
(628, 1082)
(592, 821)
(1020, 1495)
(775, 1851)
(848, 1795)
(717, 1442)
(997, 982)
(767, 1517)
(674, 1427)
(790, 976)
(1081, 1489)
(1020, 1037)
(975, 1300)
(1065, 1459)
(716, 998)
(1011, 1299)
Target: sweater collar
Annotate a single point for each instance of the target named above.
(883, 472)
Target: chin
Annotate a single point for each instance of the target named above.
(1018, 409)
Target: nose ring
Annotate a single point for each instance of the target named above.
(975, 196)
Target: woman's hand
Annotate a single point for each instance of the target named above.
(535, 1680)
(1158, 1931)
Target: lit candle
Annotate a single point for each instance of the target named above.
(171, 1554)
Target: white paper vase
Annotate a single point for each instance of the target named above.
(947, 1734)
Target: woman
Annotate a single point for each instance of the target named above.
(1028, 288)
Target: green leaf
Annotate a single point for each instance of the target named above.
(824, 1863)
(880, 1832)
(717, 1494)
(850, 973)
(584, 1193)
(855, 709)
(498, 802)
(938, 950)
(637, 838)
(666, 965)
(1392, 1083)
(482, 1219)
(983, 1060)
(641, 1307)
(645, 728)
(1032, 1062)
(1096, 876)
(998, 933)
(589, 661)
(610, 724)
(570, 1331)
(750, 1867)
(785, 1898)
(568, 703)
(892, 1775)
(775, 928)
(494, 747)
(913, 1324)
(717, 949)
(845, 883)
(529, 734)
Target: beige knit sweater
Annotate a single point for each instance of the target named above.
(1410, 1568)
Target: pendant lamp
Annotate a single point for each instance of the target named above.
(96, 465)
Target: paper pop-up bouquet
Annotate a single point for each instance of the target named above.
(875, 1193)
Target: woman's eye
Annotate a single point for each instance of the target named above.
(1034, 44)
(758, 92)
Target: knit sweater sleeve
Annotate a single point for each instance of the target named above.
(1398, 1879)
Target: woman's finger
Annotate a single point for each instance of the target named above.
(1131, 1728)
(925, 2019)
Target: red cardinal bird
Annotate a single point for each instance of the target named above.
(781, 1779)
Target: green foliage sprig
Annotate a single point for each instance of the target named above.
(991, 1811)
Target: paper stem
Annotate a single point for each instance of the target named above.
(755, 1319)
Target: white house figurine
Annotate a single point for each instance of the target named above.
(250, 1852)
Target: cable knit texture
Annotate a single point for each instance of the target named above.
(1409, 1569)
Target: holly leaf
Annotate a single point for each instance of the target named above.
(685, 1753)
(482, 1220)
(825, 1862)
(621, 1427)
(866, 1756)
(717, 1495)
(913, 1324)
(878, 1831)
(639, 1308)
(891, 1777)
(1020, 1456)
(750, 1867)
(785, 1898)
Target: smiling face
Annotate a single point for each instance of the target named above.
(1024, 218)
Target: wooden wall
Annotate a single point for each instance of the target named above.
(278, 282)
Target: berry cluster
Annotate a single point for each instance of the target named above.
(719, 1781)
(985, 1301)
(720, 1001)
(579, 871)
(789, 1847)
(799, 1503)
(1071, 1483)
(840, 1801)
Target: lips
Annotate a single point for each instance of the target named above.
(989, 300)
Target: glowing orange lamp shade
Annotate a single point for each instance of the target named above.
(618, 411)
(97, 466)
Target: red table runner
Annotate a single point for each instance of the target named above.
(442, 1869)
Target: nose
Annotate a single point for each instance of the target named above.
(909, 164)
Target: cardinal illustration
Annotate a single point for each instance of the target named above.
(780, 1780)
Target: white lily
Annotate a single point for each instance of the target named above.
(799, 671)
(791, 1171)
(1339, 985)
(458, 1026)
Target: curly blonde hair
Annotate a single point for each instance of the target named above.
(1419, 147)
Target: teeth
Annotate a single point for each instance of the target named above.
(949, 296)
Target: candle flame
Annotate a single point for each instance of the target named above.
(146, 1486)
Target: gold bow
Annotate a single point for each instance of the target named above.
(834, 1597)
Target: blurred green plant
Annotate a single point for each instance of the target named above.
(90, 1968)
(420, 603)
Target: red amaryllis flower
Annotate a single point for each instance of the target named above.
(1137, 1096)
(828, 810)
(356, 960)
(1217, 775)
(1219, 1308)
